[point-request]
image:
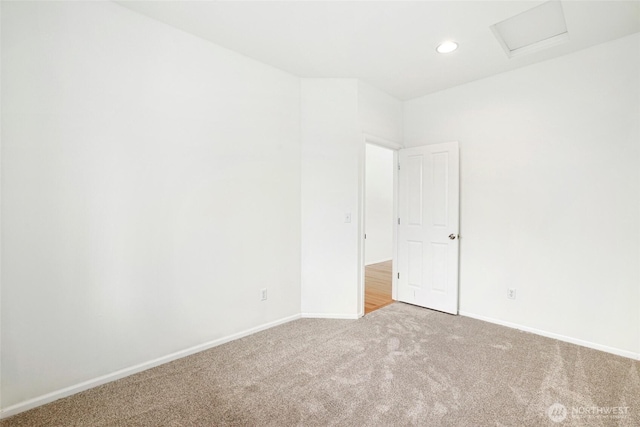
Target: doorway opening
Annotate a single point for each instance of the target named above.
(378, 227)
(424, 225)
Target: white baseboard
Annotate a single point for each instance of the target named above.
(330, 316)
(68, 391)
(588, 344)
(378, 262)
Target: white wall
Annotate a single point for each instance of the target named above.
(331, 161)
(550, 192)
(151, 188)
(335, 114)
(379, 113)
(378, 204)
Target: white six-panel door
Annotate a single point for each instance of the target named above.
(428, 229)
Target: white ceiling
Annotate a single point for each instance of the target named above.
(389, 44)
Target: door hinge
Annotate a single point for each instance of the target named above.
(365, 235)
(398, 166)
(398, 221)
(398, 274)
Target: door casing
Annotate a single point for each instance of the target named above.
(385, 143)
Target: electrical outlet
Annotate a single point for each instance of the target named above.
(511, 293)
(263, 294)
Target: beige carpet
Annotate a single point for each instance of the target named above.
(400, 365)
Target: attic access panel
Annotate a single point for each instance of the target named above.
(540, 27)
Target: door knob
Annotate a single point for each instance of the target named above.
(452, 236)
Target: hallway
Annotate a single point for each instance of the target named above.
(377, 286)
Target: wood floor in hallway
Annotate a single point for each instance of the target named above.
(377, 286)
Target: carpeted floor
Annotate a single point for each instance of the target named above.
(400, 365)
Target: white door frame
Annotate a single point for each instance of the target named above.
(392, 145)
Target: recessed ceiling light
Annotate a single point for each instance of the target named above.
(447, 47)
